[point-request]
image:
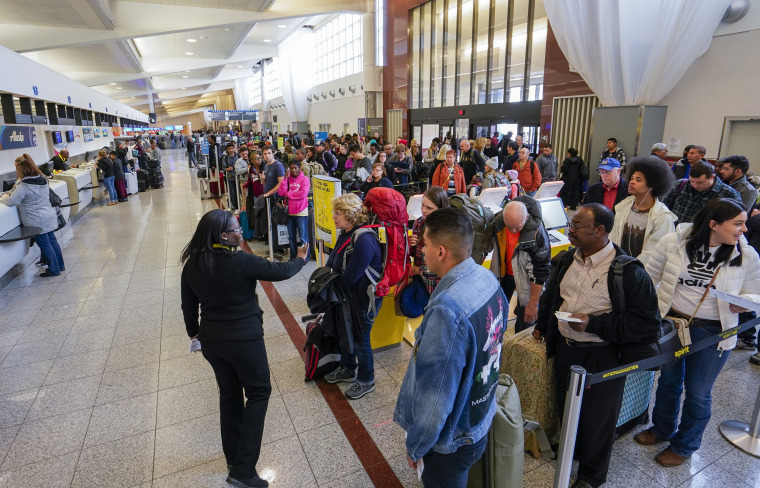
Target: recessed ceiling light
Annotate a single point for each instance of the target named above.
(267, 40)
(239, 66)
(227, 29)
(184, 76)
(189, 53)
(183, 88)
(192, 40)
(282, 26)
(119, 88)
(112, 83)
(187, 71)
(203, 37)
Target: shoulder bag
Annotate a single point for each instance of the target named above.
(681, 325)
(280, 210)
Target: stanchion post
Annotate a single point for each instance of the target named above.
(270, 231)
(743, 435)
(321, 253)
(570, 421)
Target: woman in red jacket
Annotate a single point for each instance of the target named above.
(450, 176)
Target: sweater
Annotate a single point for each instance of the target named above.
(229, 306)
(296, 190)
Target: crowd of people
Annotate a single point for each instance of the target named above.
(673, 237)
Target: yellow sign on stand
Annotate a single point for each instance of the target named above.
(325, 190)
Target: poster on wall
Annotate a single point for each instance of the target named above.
(463, 129)
(325, 189)
(319, 137)
(17, 137)
(87, 134)
(97, 133)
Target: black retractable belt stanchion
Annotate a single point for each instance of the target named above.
(745, 436)
(270, 232)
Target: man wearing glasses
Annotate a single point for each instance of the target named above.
(583, 285)
(612, 189)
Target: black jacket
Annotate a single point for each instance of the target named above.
(327, 295)
(106, 166)
(472, 162)
(595, 193)
(59, 164)
(637, 324)
(572, 171)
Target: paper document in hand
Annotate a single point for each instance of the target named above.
(420, 468)
(738, 301)
(565, 317)
(195, 345)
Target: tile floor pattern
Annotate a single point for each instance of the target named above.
(97, 388)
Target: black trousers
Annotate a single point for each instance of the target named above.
(599, 410)
(241, 366)
(508, 286)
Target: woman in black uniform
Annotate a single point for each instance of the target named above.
(222, 281)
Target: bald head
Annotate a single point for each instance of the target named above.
(515, 216)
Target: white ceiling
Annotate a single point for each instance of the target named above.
(173, 57)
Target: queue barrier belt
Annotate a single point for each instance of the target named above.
(659, 360)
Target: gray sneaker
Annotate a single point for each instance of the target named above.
(748, 346)
(341, 375)
(358, 390)
(755, 358)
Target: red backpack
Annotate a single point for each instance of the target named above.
(388, 224)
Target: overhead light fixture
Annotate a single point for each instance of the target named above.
(282, 26)
(112, 83)
(184, 76)
(189, 54)
(119, 88)
(227, 29)
(204, 37)
(267, 40)
(192, 40)
(187, 71)
(183, 88)
(240, 66)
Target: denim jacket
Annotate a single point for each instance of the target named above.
(447, 396)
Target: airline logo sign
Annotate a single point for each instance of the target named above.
(17, 137)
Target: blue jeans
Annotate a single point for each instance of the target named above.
(451, 470)
(174, 144)
(191, 161)
(109, 182)
(697, 372)
(51, 251)
(363, 348)
(299, 224)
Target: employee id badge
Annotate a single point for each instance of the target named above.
(382, 236)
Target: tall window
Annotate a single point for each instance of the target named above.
(339, 48)
(379, 12)
(256, 88)
(272, 82)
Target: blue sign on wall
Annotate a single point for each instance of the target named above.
(17, 137)
(319, 137)
(35, 90)
(204, 147)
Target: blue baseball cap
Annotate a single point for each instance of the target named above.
(609, 164)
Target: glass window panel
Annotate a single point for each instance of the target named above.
(481, 53)
(450, 53)
(415, 78)
(515, 94)
(425, 51)
(438, 48)
(538, 53)
(465, 54)
(519, 42)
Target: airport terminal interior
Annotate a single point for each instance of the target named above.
(98, 387)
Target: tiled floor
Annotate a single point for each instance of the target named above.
(97, 388)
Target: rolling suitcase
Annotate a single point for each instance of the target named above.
(524, 359)
(131, 180)
(142, 180)
(635, 407)
(156, 178)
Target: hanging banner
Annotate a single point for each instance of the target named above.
(325, 189)
(17, 137)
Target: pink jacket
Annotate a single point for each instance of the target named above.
(296, 190)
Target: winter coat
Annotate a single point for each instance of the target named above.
(32, 197)
(441, 178)
(529, 175)
(660, 222)
(296, 190)
(665, 264)
(573, 176)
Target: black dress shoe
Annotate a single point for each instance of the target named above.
(581, 484)
(254, 482)
(48, 274)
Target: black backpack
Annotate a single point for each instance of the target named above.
(322, 351)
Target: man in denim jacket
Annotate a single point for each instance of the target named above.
(447, 401)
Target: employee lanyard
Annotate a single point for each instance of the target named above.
(221, 246)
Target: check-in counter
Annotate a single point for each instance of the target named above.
(92, 167)
(79, 183)
(61, 189)
(11, 253)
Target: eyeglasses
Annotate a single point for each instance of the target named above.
(239, 230)
(573, 225)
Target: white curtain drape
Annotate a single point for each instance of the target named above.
(295, 70)
(633, 52)
(242, 90)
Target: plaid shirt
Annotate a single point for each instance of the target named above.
(430, 279)
(687, 202)
(618, 154)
